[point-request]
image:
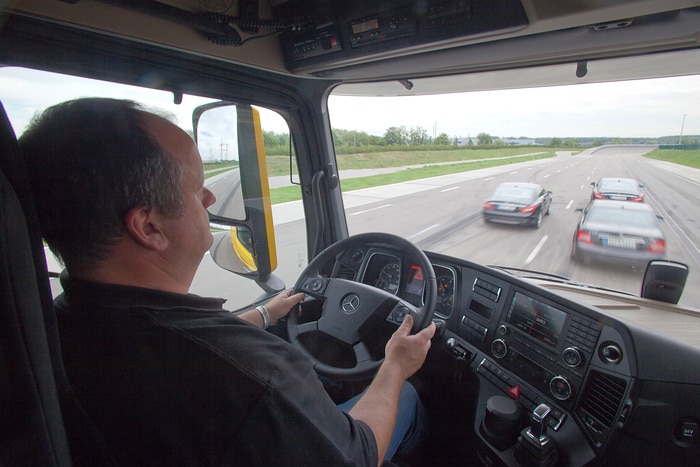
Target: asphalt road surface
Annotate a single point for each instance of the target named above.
(443, 214)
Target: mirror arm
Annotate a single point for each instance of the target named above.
(272, 284)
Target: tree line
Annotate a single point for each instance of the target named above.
(346, 140)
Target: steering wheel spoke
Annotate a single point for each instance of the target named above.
(314, 286)
(363, 358)
(303, 328)
(399, 312)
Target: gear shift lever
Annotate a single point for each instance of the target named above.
(538, 427)
(534, 447)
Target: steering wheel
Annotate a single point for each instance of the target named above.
(348, 307)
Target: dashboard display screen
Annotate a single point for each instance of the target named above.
(536, 319)
(414, 286)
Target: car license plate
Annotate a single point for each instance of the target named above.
(619, 198)
(618, 242)
(504, 207)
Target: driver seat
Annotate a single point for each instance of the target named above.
(41, 420)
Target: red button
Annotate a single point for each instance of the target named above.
(514, 391)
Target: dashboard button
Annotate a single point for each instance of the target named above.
(560, 388)
(499, 349)
(572, 356)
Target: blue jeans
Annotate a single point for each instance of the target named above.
(409, 427)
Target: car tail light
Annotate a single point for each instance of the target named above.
(529, 209)
(488, 206)
(638, 199)
(597, 195)
(657, 246)
(584, 236)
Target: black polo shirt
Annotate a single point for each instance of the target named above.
(176, 379)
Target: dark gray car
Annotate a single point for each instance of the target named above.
(518, 203)
(618, 189)
(618, 231)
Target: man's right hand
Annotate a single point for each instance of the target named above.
(405, 352)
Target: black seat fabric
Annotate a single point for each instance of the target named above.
(32, 426)
(39, 413)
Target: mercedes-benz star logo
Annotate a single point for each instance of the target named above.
(350, 304)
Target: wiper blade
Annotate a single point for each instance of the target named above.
(532, 274)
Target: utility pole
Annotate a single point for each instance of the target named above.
(680, 138)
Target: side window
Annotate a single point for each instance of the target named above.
(26, 93)
(287, 215)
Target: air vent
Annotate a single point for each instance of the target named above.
(603, 396)
(346, 273)
(600, 403)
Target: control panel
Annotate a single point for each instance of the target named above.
(544, 345)
(353, 33)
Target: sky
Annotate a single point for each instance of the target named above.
(644, 108)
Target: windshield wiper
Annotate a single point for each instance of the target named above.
(532, 274)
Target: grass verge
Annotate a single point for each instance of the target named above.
(690, 158)
(293, 193)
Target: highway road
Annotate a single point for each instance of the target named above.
(443, 214)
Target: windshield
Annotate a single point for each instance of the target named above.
(422, 166)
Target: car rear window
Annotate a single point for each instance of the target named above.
(624, 185)
(618, 216)
(514, 192)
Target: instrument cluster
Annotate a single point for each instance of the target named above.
(401, 277)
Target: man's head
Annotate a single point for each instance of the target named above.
(95, 163)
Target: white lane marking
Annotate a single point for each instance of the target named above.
(423, 231)
(570, 203)
(514, 172)
(370, 210)
(490, 178)
(449, 189)
(536, 250)
(546, 176)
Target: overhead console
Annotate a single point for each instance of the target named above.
(361, 31)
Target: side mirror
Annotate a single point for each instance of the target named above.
(246, 244)
(664, 281)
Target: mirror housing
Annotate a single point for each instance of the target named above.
(243, 209)
(664, 281)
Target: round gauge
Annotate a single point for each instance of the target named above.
(389, 277)
(445, 294)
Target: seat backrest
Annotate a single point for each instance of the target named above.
(40, 416)
(31, 424)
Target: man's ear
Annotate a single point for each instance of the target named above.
(144, 226)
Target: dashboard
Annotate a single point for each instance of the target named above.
(530, 346)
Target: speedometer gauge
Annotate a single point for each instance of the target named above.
(389, 277)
